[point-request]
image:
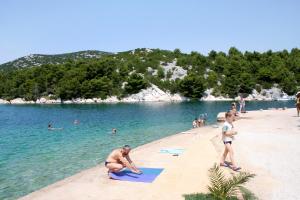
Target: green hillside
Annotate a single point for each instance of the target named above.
(41, 59)
(125, 73)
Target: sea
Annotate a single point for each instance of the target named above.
(32, 157)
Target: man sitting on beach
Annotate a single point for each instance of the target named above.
(119, 159)
(227, 137)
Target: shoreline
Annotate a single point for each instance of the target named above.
(155, 94)
(188, 172)
(20, 101)
(190, 133)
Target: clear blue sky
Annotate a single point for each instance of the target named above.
(59, 26)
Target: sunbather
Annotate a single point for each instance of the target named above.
(119, 159)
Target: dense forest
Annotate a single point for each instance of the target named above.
(125, 73)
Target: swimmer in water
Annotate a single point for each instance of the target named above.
(50, 128)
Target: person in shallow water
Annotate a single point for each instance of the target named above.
(50, 128)
(114, 131)
(76, 122)
(119, 159)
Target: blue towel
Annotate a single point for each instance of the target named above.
(172, 151)
(148, 175)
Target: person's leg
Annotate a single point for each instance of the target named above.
(224, 155)
(231, 155)
(114, 167)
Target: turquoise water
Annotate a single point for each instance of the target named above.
(32, 157)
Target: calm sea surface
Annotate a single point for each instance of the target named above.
(31, 157)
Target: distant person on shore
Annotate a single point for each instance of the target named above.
(201, 120)
(298, 103)
(114, 131)
(195, 123)
(233, 110)
(242, 105)
(227, 136)
(119, 159)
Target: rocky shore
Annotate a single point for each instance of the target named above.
(154, 94)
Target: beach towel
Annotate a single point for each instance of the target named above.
(148, 175)
(172, 151)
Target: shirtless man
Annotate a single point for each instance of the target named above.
(118, 159)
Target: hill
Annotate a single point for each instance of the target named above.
(125, 73)
(41, 59)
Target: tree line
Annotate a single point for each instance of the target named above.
(125, 73)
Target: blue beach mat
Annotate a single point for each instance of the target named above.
(172, 151)
(148, 175)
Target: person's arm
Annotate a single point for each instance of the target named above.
(230, 133)
(227, 132)
(128, 164)
(132, 164)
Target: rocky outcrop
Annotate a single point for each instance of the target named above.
(207, 96)
(3, 101)
(273, 94)
(153, 93)
(177, 72)
(21, 101)
(43, 100)
(269, 95)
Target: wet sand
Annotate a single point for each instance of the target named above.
(266, 144)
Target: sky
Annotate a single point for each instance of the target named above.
(62, 26)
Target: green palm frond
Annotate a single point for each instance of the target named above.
(223, 188)
(247, 194)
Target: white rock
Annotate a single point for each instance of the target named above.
(153, 93)
(18, 101)
(53, 101)
(207, 96)
(274, 93)
(177, 71)
(3, 101)
(89, 101)
(42, 100)
(112, 99)
(98, 100)
(67, 102)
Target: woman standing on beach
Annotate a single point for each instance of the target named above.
(242, 105)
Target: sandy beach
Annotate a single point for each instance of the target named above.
(266, 144)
